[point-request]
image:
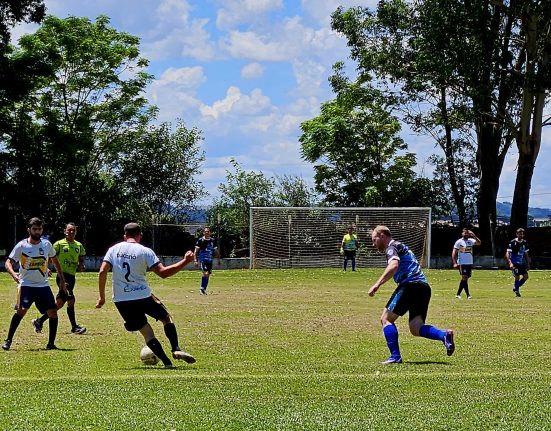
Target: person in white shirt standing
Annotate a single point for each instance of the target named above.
(462, 258)
(33, 255)
(130, 261)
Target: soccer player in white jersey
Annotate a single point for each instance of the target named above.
(130, 261)
(33, 255)
(462, 258)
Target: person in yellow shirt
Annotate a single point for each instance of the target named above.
(349, 246)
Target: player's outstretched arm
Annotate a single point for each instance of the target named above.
(167, 271)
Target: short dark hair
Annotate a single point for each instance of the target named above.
(132, 229)
(520, 230)
(35, 221)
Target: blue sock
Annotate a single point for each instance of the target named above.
(517, 284)
(344, 263)
(431, 332)
(391, 336)
(353, 264)
(204, 282)
(521, 282)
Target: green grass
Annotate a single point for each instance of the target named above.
(288, 350)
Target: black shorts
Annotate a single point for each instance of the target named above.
(466, 270)
(134, 313)
(206, 266)
(70, 283)
(519, 270)
(412, 297)
(350, 254)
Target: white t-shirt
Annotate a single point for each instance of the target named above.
(465, 250)
(130, 262)
(33, 261)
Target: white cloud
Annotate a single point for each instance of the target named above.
(237, 103)
(235, 12)
(252, 71)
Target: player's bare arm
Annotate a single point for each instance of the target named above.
(9, 267)
(166, 271)
(57, 266)
(102, 280)
(388, 273)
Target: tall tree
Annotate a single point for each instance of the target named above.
(355, 145)
(13, 12)
(474, 50)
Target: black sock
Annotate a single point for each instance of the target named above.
(156, 348)
(71, 314)
(53, 330)
(172, 335)
(43, 318)
(15, 320)
(466, 287)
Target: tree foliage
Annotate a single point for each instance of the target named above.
(489, 58)
(81, 141)
(359, 158)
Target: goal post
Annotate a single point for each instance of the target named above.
(311, 237)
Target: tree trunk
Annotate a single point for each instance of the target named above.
(521, 197)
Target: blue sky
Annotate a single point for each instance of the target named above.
(247, 73)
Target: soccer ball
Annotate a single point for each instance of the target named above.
(148, 357)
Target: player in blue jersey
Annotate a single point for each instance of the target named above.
(205, 250)
(518, 260)
(411, 295)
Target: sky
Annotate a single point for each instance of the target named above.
(247, 73)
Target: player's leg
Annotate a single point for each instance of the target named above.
(14, 324)
(353, 260)
(158, 311)
(134, 315)
(390, 331)
(206, 269)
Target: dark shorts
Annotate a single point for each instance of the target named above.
(466, 270)
(519, 270)
(206, 266)
(134, 313)
(42, 297)
(350, 254)
(412, 297)
(70, 282)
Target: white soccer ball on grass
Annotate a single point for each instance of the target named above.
(148, 357)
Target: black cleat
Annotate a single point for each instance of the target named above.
(6, 345)
(51, 347)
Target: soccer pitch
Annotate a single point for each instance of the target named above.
(288, 350)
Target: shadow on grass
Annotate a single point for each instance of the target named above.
(426, 363)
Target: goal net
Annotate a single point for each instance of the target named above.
(296, 237)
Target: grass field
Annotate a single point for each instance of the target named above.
(288, 350)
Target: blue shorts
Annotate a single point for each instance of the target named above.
(412, 297)
(466, 270)
(42, 297)
(519, 270)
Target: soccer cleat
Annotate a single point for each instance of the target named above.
(51, 347)
(170, 367)
(202, 292)
(6, 345)
(517, 293)
(469, 297)
(180, 354)
(458, 296)
(37, 324)
(448, 343)
(78, 330)
(392, 360)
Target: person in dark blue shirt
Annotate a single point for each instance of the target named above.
(518, 260)
(205, 250)
(411, 295)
